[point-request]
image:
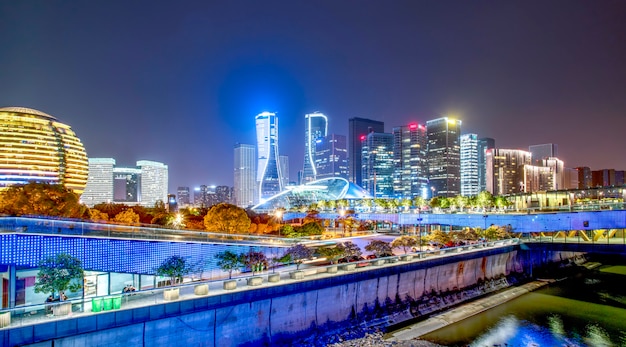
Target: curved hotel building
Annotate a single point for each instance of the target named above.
(269, 177)
(35, 146)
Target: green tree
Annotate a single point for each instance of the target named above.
(227, 218)
(419, 202)
(42, 199)
(229, 261)
(127, 217)
(461, 201)
(59, 273)
(405, 242)
(379, 248)
(175, 268)
(333, 253)
(484, 200)
(406, 203)
(312, 229)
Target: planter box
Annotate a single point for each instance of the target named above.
(62, 309)
(255, 281)
(171, 294)
(273, 277)
(406, 257)
(230, 285)
(331, 269)
(5, 319)
(296, 275)
(378, 262)
(201, 289)
(348, 267)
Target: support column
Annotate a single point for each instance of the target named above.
(12, 280)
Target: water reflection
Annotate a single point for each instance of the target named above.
(583, 311)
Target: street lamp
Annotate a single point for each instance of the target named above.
(279, 216)
(342, 213)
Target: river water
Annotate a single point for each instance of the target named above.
(587, 309)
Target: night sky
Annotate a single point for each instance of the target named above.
(180, 81)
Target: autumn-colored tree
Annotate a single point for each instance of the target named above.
(127, 217)
(227, 218)
(97, 216)
(42, 199)
(405, 242)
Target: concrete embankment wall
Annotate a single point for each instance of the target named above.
(291, 313)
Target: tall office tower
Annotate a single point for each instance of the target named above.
(505, 169)
(606, 178)
(544, 151)
(201, 196)
(444, 156)
(172, 204)
(584, 177)
(331, 157)
(357, 130)
(484, 144)
(283, 161)
(154, 180)
(377, 164)
(184, 199)
(557, 168)
(316, 128)
(269, 176)
(223, 194)
(126, 184)
(245, 189)
(410, 176)
(469, 165)
(99, 188)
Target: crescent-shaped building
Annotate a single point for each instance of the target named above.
(327, 189)
(35, 146)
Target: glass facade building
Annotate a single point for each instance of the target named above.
(469, 165)
(245, 188)
(99, 188)
(316, 128)
(377, 164)
(37, 147)
(409, 156)
(357, 128)
(444, 156)
(331, 157)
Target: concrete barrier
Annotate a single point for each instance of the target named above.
(296, 275)
(348, 267)
(171, 294)
(201, 289)
(230, 285)
(273, 278)
(255, 281)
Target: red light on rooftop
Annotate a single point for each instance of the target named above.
(412, 126)
(362, 137)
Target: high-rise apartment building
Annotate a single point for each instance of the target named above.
(154, 180)
(269, 176)
(484, 144)
(410, 177)
(584, 177)
(377, 164)
(358, 128)
(505, 170)
(470, 167)
(331, 157)
(557, 168)
(183, 196)
(245, 188)
(316, 128)
(536, 178)
(444, 156)
(99, 188)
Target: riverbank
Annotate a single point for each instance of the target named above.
(459, 313)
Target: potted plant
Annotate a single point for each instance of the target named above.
(56, 275)
(229, 261)
(175, 268)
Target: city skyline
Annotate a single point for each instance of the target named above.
(185, 91)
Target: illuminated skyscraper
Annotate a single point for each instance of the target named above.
(331, 157)
(283, 161)
(154, 180)
(99, 188)
(126, 184)
(183, 196)
(357, 131)
(484, 144)
(444, 156)
(35, 146)
(409, 156)
(505, 170)
(316, 128)
(269, 177)
(469, 165)
(245, 189)
(377, 164)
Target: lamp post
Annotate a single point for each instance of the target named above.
(342, 213)
(279, 215)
